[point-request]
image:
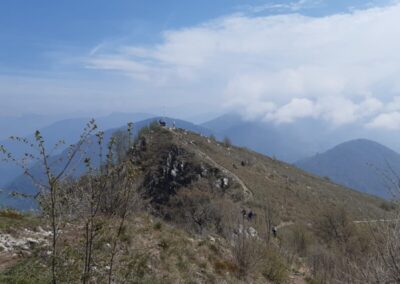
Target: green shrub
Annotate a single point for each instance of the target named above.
(157, 226)
(275, 268)
(163, 244)
(327, 178)
(298, 238)
(11, 214)
(223, 266)
(388, 206)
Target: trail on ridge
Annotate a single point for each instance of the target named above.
(247, 192)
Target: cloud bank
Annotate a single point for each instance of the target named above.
(342, 68)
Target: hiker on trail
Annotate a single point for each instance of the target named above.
(244, 213)
(274, 231)
(250, 215)
(162, 123)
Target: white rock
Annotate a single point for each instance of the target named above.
(225, 182)
(252, 232)
(174, 173)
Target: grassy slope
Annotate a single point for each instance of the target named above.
(298, 195)
(158, 252)
(152, 252)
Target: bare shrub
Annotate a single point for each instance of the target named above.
(248, 250)
(50, 180)
(108, 189)
(270, 219)
(298, 239)
(335, 226)
(322, 264)
(274, 267)
(227, 142)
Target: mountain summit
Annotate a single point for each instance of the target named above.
(360, 164)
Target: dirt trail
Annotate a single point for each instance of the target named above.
(284, 224)
(247, 192)
(7, 260)
(377, 221)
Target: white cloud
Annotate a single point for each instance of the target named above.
(389, 121)
(279, 68)
(297, 108)
(294, 6)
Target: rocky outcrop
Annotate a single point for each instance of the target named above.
(170, 168)
(25, 241)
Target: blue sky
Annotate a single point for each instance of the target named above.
(32, 31)
(271, 60)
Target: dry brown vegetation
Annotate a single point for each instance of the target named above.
(174, 207)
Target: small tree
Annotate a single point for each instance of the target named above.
(269, 219)
(227, 142)
(106, 189)
(53, 178)
(121, 144)
(248, 251)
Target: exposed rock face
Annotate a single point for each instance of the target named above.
(180, 184)
(169, 168)
(172, 172)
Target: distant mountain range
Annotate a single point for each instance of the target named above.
(25, 124)
(287, 143)
(357, 164)
(360, 164)
(69, 130)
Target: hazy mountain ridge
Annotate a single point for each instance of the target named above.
(359, 164)
(296, 140)
(284, 142)
(287, 142)
(68, 130)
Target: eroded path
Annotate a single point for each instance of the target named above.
(377, 221)
(247, 192)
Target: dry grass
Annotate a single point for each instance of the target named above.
(186, 234)
(296, 195)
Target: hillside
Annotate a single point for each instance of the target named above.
(361, 164)
(298, 195)
(188, 225)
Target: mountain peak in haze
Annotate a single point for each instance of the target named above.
(360, 164)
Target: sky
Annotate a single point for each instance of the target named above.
(272, 61)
